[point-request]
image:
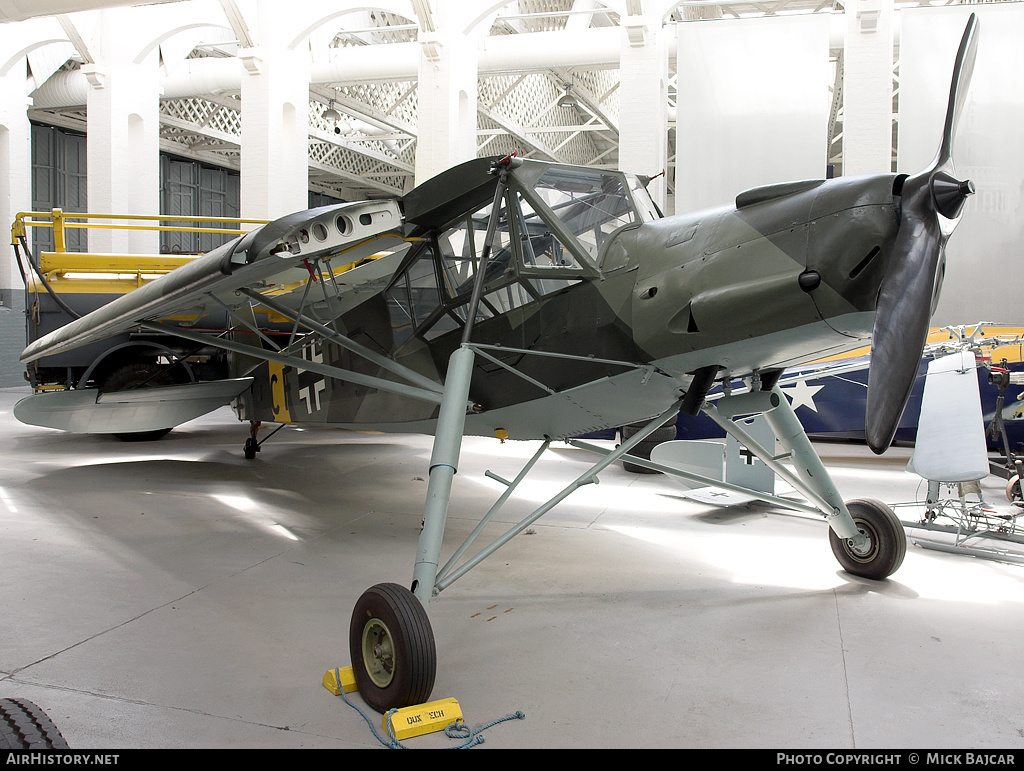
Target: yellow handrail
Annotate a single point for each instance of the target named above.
(58, 220)
(90, 262)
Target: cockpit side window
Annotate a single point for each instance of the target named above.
(591, 204)
(527, 261)
(541, 248)
(460, 248)
(414, 297)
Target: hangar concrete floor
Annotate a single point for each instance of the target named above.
(173, 594)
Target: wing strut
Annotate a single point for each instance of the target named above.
(501, 169)
(347, 343)
(326, 370)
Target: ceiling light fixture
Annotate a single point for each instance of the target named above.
(567, 99)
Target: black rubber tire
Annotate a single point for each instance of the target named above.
(887, 546)
(24, 726)
(643, 450)
(142, 375)
(403, 675)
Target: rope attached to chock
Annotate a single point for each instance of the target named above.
(454, 731)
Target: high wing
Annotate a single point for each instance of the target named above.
(299, 272)
(276, 257)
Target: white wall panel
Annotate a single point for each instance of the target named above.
(753, 105)
(985, 254)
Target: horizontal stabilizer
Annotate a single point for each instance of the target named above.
(730, 463)
(714, 496)
(704, 458)
(698, 457)
(90, 411)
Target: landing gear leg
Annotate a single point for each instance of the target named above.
(444, 462)
(390, 639)
(866, 536)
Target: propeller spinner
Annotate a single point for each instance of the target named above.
(930, 209)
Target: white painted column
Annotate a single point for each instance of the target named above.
(275, 118)
(15, 169)
(15, 196)
(643, 102)
(867, 87)
(123, 132)
(447, 94)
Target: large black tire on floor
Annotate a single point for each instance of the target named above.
(138, 375)
(392, 648)
(886, 545)
(643, 450)
(24, 726)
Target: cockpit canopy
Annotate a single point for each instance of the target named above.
(555, 226)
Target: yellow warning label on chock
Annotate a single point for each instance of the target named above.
(424, 718)
(338, 680)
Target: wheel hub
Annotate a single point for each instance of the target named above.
(378, 652)
(864, 548)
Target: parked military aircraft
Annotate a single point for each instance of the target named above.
(541, 301)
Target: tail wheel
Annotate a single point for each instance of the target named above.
(884, 548)
(1013, 493)
(138, 375)
(392, 648)
(24, 726)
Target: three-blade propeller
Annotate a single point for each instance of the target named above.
(931, 202)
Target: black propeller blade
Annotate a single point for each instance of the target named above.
(930, 209)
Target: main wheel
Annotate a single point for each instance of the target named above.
(886, 545)
(23, 726)
(643, 449)
(138, 375)
(392, 648)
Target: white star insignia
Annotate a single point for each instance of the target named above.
(802, 395)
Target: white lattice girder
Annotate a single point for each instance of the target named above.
(517, 102)
(372, 148)
(393, 146)
(598, 91)
(203, 114)
(348, 163)
(391, 105)
(355, 186)
(69, 118)
(210, 129)
(226, 156)
(197, 130)
(533, 145)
